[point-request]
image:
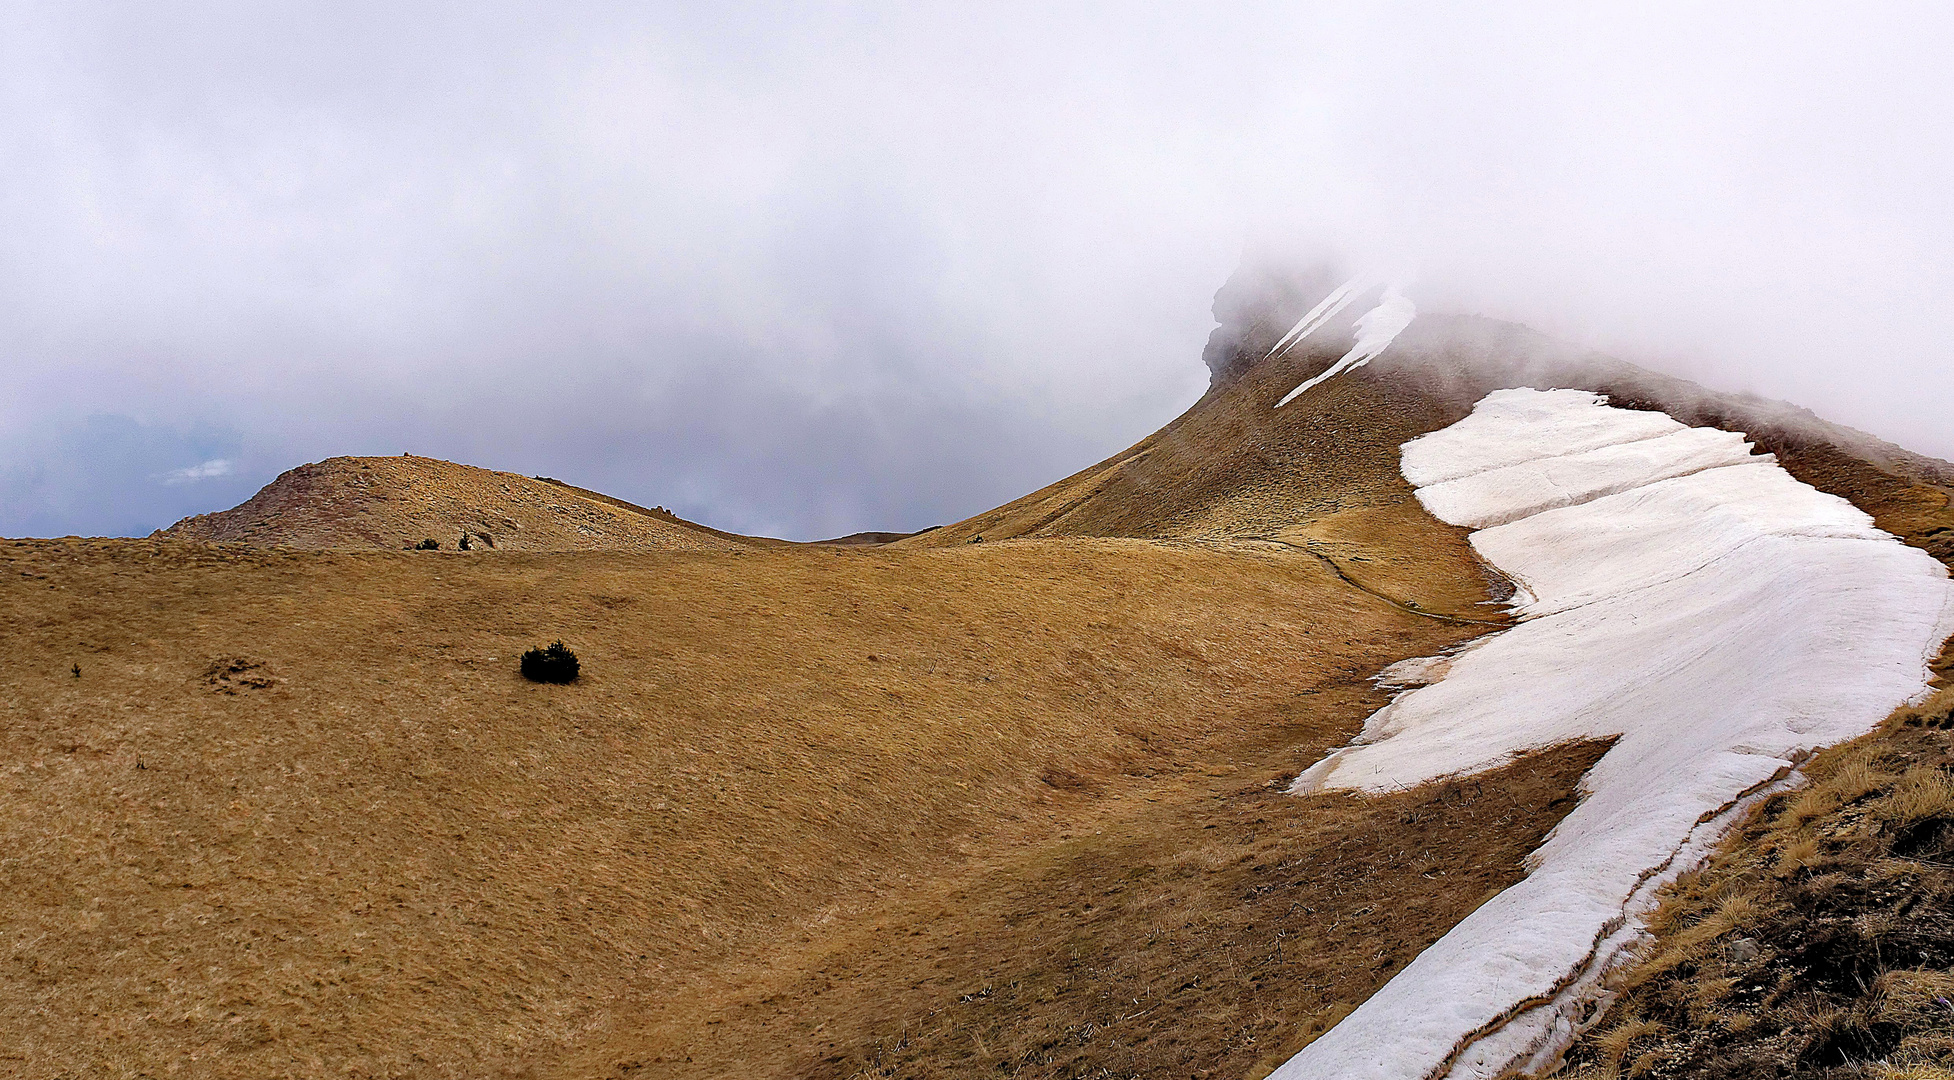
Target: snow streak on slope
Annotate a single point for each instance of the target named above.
(1376, 329)
(1722, 618)
(1339, 298)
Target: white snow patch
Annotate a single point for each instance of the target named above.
(1376, 329)
(1497, 496)
(1507, 429)
(1720, 617)
(1417, 671)
(1327, 309)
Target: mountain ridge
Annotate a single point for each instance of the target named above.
(1004, 795)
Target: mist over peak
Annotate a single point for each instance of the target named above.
(810, 271)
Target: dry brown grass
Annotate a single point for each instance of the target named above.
(300, 816)
(1233, 466)
(1914, 1072)
(385, 854)
(1924, 792)
(1214, 936)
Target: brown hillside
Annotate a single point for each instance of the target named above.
(780, 765)
(1234, 465)
(397, 502)
(946, 807)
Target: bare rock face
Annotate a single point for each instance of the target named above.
(405, 502)
(1259, 301)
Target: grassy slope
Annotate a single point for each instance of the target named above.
(1212, 930)
(1906, 495)
(811, 812)
(400, 858)
(1234, 466)
(379, 852)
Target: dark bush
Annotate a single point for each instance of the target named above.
(429, 544)
(554, 664)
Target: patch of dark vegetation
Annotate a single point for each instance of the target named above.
(551, 664)
(1925, 839)
(1939, 540)
(870, 539)
(1062, 779)
(1844, 1045)
(1819, 943)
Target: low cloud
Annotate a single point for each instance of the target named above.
(819, 269)
(213, 468)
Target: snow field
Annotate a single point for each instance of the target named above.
(1497, 496)
(1691, 599)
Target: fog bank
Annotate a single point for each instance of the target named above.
(812, 269)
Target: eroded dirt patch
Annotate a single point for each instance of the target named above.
(233, 674)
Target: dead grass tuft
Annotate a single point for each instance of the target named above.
(1687, 945)
(1935, 712)
(1923, 792)
(1919, 995)
(1914, 1072)
(1612, 1047)
(1852, 780)
(1801, 853)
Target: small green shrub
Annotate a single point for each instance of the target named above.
(554, 664)
(430, 544)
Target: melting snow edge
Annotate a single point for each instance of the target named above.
(1721, 618)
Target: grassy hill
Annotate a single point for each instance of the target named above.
(1000, 797)
(393, 503)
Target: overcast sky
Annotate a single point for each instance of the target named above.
(803, 269)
